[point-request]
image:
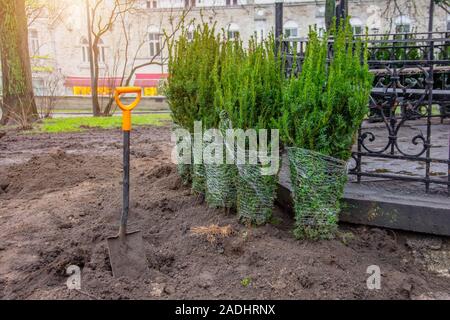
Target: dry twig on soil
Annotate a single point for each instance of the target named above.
(212, 232)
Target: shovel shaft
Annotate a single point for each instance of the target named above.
(126, 127)
(126, 183)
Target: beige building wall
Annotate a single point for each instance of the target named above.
(61, 38)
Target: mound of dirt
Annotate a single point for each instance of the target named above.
(61, 205)
(47, 173)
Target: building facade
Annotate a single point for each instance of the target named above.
(59, 44)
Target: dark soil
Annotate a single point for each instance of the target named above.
(60, 198)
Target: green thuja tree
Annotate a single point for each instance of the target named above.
(324, 107)
(190, 89)
(221, 178)
(206, 50)
(180, 90)
(258, 105)
(322, 111)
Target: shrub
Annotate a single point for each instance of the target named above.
(189, 91)
(324, 107)
(259, 103)
(260, 87)
(221, 178)
(322, 111)
(209, 76)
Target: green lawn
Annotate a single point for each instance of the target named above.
(84, 123)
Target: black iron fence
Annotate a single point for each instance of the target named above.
(411, 89)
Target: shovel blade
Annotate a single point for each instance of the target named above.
(127, 256)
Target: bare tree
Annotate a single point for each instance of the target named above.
(401, 7)
(47, 102)
(34, 9)
(53, 11)
(103, 18)
(443, 4)
(125, 59)
(157, 59)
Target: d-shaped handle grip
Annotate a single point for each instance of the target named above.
(126, 125)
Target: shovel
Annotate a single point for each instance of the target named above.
(126, 251)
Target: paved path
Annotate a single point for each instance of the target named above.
(89, 114)
(439, 150)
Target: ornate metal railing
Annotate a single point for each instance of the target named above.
(411, 89)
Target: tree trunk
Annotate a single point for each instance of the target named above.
(330, 11)
(109, 106)
(18, 98)
(122, 84)
(342, 11)
(95, 100)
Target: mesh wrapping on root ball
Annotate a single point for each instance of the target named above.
(198, 168)
(318, 183)
(184, 171)
(183, 165)
(255, 194)
(221, 178)
(221, 185)
(198, 178)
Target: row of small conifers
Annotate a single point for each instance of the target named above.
(226, 84)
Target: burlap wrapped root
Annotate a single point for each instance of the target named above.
(318, 184)
(255, 194)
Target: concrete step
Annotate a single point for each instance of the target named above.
(367, 205)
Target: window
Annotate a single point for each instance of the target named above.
(189, 3)
(291, 29)
(154, 40)
(402, 24)
(152, 4)
(190, 32)
(39, 86)
(320, 12)
(291, 32)
(101, 51)
(34, 42)
(85, 50)
(356, 24)
(231, 2)
(321, 28)
(260, 29)
(232, 31)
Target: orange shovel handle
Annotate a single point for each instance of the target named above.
(126, 125)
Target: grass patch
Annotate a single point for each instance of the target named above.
(84, 123)
(72, 111)
(246, 282)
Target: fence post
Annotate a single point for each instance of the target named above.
(430, 85)
(278, 24)
(341, 11)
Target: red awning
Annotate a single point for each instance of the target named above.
(86, 82)
(148, 80)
